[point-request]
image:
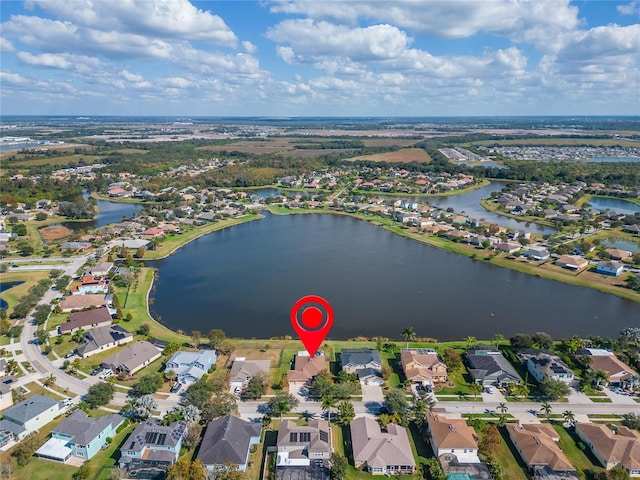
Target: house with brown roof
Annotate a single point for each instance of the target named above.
(618, 372)
(536, 444)
(423, 366)
(305, 368)
(151, 233)
(91, 284)
(611, 449)
(618, 254)
(381, 453)
(572, 262)
(97, 317)
(298, 445)
(452, 437)
(132, 358)
(80, 302)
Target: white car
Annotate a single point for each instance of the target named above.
(106, 374)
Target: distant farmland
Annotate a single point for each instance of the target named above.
(401, 156)
(569, 142)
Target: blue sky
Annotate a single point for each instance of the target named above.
(311, 58)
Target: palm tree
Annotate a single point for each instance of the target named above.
(502, 407)
(498, 337)
(546, 409)
(569, 417)
(327, 404)
(11, 367)
(431, 403)
(49, 381)
(475, 388)
(470, 340)
(409, 335)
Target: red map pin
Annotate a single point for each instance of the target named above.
(312, 318)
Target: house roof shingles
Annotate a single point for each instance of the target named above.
(306, 367)
(622, 447)
(538, 448)
(451, 432)
(133, 356)
(227, 439)
(30, 408)
(88, 317)
(83, 429)
(379, 449)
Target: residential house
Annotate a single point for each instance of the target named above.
(151, 448)
(634, 229)
(103, 338)
(572, 262)
(135, 244)
(305, 368)
(90, 284)
(132, 358)
(618, 254)
(299, 445)
(536, 444)
(611, 449)
(537, 253)
(228, 439)
(100, 269)
(381, 453)
(489, 367)
(610, 267)
(423, 366)
(191, 366)
(618, 372)
(508, 248)
(151, 233)
(29, 415)
(7, 382)
(80, 302)
(97, 317)
(543, 365)
(79, 436)
(456, 445)
(243, 370)
(365, 363)
(75, 246)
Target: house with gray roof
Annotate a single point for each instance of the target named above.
(103, 338)
(191, 366)
(29, 415)
(79, 436)
(151, 448)
(243, 370)
(228, 439)
(490, 367)
(95, 317)
(364, 362)
(7, 382)
(543, 365)
(132, 358)
(381, 453)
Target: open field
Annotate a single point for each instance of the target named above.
(401, 156)
(54, 233)
(594, 142)
(13, 295)
(287, 145)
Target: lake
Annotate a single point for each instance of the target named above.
(108, 212)
(617, 204)
(4, 287)
(245, 279)
(468, 202)
(613, 160)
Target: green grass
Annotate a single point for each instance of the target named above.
(13, 295)
(509, 459)
(578, 458)
(136, 305)
(600, 399)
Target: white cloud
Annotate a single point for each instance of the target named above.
(249, 47)
(632, 8)
(453, 19)
(12, 78)
(6, 45)
(307, 37)
(131, 77)
(159, 18)
(44, 60)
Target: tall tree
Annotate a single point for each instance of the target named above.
(346, 413)
(470, 340)
(282, 403)
(476, 389)
(409, 335)
(546, 409)
(498, 337)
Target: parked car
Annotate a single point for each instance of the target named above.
(70, 354)
(106, 374)
(175, 387)
(96, 370)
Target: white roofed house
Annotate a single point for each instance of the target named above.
(190, 366)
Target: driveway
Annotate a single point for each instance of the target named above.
(372, 393)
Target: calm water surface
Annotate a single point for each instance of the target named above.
(109, 212)
(4, 287)
(619, 205)
(245, 279)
